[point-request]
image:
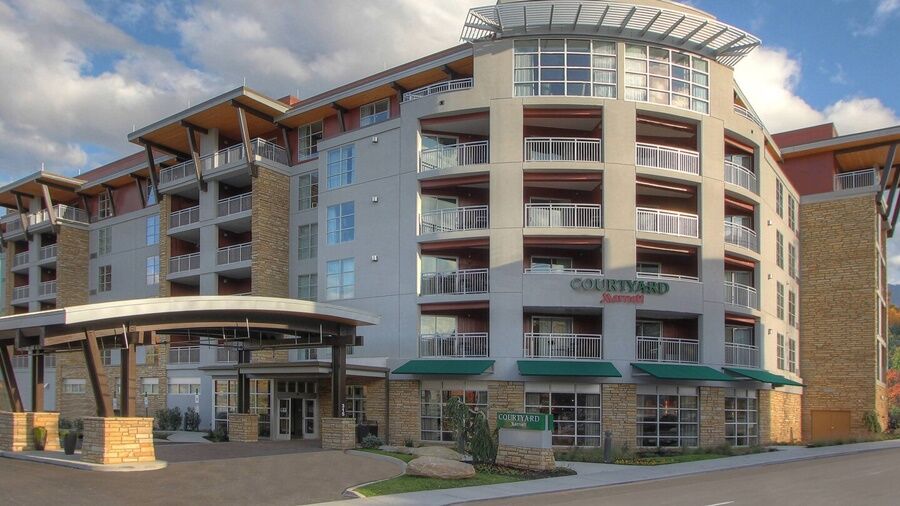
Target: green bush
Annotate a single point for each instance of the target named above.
(191, 420)
(408, 442)
(372, 441)
(218, 435)
(870, 418)
(168, 419)
(483, 443)
(471, 431)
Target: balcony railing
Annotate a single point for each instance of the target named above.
(668, 222)
(857, 179)
(20, 259)
(563, 215)
(235, 254)
(63, 213)
(184, 217)
(436, 88)
(235, 204)
(562, 149)
(461, 282)
(562, 270)
(453, 220)
(743, 111)
(13, 224)
(667, 349)
(742, 354)
(20, 292)
(742, 236)
(454, 155)
(663, 275)
(741, 176)
(455, 345)
(48, 252)
(184, 263)
(741, 295)
(563, 346)
(261, 148)
(226, 354)
(664, 157)
(184, 355)
(47, 288)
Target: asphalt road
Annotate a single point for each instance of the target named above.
(869, 478)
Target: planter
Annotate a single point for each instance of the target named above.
(40, 438)
(70, 441)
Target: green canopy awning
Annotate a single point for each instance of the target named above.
(568, 368)
(449, 367)
(682, 372)
(762, 376)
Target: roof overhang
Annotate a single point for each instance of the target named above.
(61, 188)
(319, 368)
(687, 30)
(853, 152)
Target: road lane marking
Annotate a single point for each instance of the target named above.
(721, 503)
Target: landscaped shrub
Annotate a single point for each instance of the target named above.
(191, 419)
(168, 419)
(894, 420)
(483, 443)
(870, 418)
(218, 435)
(372, 441)
(408, 442)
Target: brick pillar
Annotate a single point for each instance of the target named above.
(712, 416)
(338, 433)
(14, 433)
(405, 404)
(779, 417)
(504, 396)
(118, 440)
(72, 266)
(269, 269)
(243, 427)
(619, 413)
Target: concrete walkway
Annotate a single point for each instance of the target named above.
(183, 436)
(598, 475)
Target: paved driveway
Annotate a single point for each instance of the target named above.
(288, 473)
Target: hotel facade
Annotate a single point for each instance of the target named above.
(574, 211)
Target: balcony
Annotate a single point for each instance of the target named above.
(455, 345)
(745, 113)
(184, 263)
(562, 149)
(666, 277)
(563, 215)
(234, 254)
(454, 155)
(454, 220)
(578, 346)
(666, 349)
(740, 176)
(184, 355)
(438, 88)
(13, 225)
(663, 157)
(546, 269)
(47, 289)
(741, 295)
(20, 292)
(857, 179)
(668, 222)
(185, 170)
(48, 252)
(20, 259)
(64, 213)
(741, 354)
(184, 217)
(741, 236)
(236, 204)
(462, 282)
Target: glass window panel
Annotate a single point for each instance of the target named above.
(605, 62)
(578, 60)
(553, 59)
(557, 45)
(604, 47)
(636, 51)
(526, 46)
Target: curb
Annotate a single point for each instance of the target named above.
(351, 491)
(86, 466)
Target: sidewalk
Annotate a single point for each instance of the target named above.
(598, 475)
(183, 436)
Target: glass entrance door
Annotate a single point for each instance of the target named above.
(284, 418)
(310, 427)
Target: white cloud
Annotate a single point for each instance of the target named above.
(886, 7)
(883, 12)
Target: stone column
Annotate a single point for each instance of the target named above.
(338, 433)
(14, 433)
(619, 413)
(118, 440)
(405, 405)
(243, 427)
(712, 416)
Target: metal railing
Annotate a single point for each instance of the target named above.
(562, 149)
(261, 148)
(857, 179)
(664, 157)
(73, 214)
(663, 275)
(667, 349)
(454, 155)
(742, 236)
(455, 219)
(233, 254)
(741, 295)
(235, 204)
(743, 111)
(441, 87)
(668, 222)
(184, 263)
(177, 172)
(47, 252)
(13, 225)
(742, 354)
(460, 282)
(21, 292)
(47, 288)
(563, 215)
(226, 354)
(184, 217)
(270, 151)
(455, 345)
(184, 355)
(561, 270)
(539, 345)
(20, 259)
(741, 176)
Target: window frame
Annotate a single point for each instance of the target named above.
(682, 420)
(579, 421)
(152, 270)
(312, 287)
(343, 289)
(474, 396)
(104, 278)
(737, 417)
(541, 81)
(104, 241)
(341, 227)
(308, 248)
(308, 191)
(151, 232)
(104, 206)
(779, 249)
(694, 68)
(780, 352)
(779, 300)
(375, 116)
(308, 140)
(343, 162)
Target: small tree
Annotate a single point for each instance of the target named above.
(457, 418)
(483, 446)
(471, 431)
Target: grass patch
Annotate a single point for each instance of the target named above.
(853, 440)
(623, 456)
(402, 456)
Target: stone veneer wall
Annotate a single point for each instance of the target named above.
(118, 440)
(338, 433)
(243, 427)
(165, 208)
(504, 396)
(49, 421)
(16, 430)
(270, 266)
(712, 416)
(619, 413)
(406, 408)
(535, 459)
(779, 416)
(72, 266)
(838, 309)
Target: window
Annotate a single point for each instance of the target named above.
(104, 206)
(340, 280)
(667, 416)
(550, 264)
(779, 197)
(662, 76)
(376, 112)
(49, 360)
(647, 328)
(779, 251)
(20, 361)
(575, 409)
(741, 417)
(152, 229)
(340, 166)
(151, 193)
(74, 386)
(792, 308)
(224, 401)
(551, 325)
(780, 355)
(430, 325)
(649, 268)
(309, 137)
(309, 191)
(792, 212)
(104, 278)
(574, 67)
(882, 362)
(792, 260)
(792, 355)
(780, 300)
(106, 356)
(307, 287)
(153, 270)
(226, 354)
(184, 354)
(308, 241)
(356, 403)
(104, 241)
(260, 390)
(434, 396)
(184, 386)
(341, 222)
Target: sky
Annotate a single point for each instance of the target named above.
(79, 75)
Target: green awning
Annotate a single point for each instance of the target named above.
(762, 376)
(682, 372)
(568, 368)
(449, 367)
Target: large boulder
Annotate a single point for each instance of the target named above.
(436, 451)
(435, 467)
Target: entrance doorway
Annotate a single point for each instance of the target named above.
(297, 418)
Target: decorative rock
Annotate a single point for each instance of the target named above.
(441, 452)
(434, 467)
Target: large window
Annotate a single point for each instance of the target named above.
(792, 212)
(376, 112)
(340, 280)
(356, 403)
(151, 193)
(792, 355)
(308, 242)
(741, 427)
(153, 270)
(667, 416)
(104, 278)
(149, 386)
(434, 397)
(437, 325)
(792, 308)
(575, 409)
(779, 249)
(341, 222)
(307, 286)
(663, 76)
(309, 191)
(260, 393)
(152, 232)
(74, 386)
(779, 197)
(780, 353)
(574, 67)
(104, 241)
(780, 300)
(184, 386)
(104, 206)
(224, 401)
(340, 166)
(792, 260)
(309, 137)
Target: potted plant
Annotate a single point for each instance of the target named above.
(40, 438)
(70, 441)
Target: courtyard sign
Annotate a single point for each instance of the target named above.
(525, 421)
(620, 290)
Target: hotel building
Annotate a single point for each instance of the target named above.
(576, 210)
